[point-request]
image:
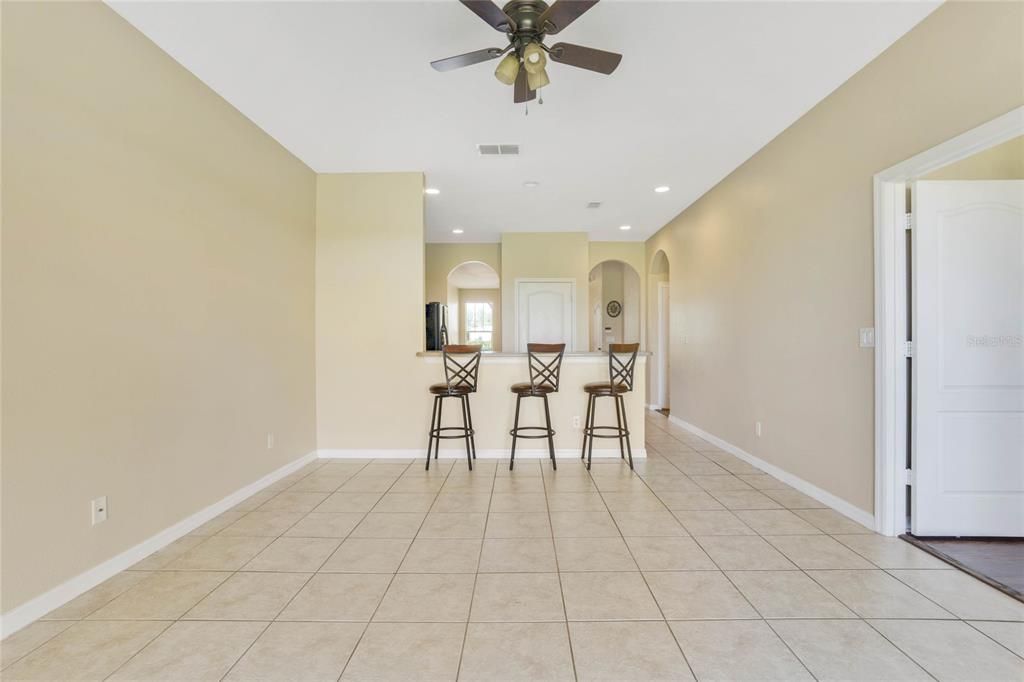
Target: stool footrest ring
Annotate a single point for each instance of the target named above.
(616, 432)
(544, 432)
(462, 432)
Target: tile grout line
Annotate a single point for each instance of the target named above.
(308, 580)
(558, 573)
(752, 606)
(829, 592)
(476, 575)
(232, 573)
(178, 619)
(394, 575)
(643, 577)
(673, 460)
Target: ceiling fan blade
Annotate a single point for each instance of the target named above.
(491, 13)
(585, 57)
(562, 13)
(468, 59)
(523, 93)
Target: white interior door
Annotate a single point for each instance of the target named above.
(968, 365)
(545, 313)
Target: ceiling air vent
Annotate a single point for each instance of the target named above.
(498, 149)
(593, 204)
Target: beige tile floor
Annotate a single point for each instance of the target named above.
(697, 565)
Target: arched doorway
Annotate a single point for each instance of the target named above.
(613, 304)
(474, 305)
(659, 393)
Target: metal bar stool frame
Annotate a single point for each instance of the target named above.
(461, 370)
(621, 363)
(545, 363)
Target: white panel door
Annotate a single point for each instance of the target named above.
(968, 364)
(546, 313)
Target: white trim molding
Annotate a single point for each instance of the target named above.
(454, 453)
(32, 610)
(837, 503)
(891, 405)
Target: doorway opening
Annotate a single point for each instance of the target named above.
(904, 472)
(949, 360)
(613, 304)
(949, 355)
(474, 305)
(659, 397)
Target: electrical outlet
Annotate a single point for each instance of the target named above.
(757, 429)
(576, 421)
(270, 441)
(99, 510)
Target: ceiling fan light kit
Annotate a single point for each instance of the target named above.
(526, 23)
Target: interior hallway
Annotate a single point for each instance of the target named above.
(698, 565)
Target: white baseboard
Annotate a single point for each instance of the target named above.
(652, 407)
(451, 453)
(19, 617)
(837, 503)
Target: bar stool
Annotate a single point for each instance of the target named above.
(621, 361)
(545, 362)
(461, 366)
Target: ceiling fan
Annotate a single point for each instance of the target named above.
(526, 23)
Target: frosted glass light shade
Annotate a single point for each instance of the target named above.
(537, 80)
(534, 59)
(508, 69)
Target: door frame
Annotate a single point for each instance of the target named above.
(528, 280)
(891, 386)
(662, 298)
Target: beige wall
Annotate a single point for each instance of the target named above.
(531, 254)
(633, 253)
(538, 255)
(771, 270)
(369, 238)
(1002, 162)
(157, 294)
(441, 259)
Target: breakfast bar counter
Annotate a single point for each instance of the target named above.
(493, 405)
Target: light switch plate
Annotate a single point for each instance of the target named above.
(867, 337)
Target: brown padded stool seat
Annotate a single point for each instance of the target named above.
(526, 388)
(445, 389)
(604, 388)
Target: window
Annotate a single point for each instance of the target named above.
(480, 324)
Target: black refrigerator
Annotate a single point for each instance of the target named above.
(437, 325)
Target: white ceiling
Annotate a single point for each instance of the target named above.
(346, 86)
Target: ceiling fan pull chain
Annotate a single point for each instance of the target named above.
(526, 107)
(540, 97)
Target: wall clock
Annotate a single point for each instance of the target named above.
(614, 309)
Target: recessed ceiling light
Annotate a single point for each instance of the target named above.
(432, 190)
(625, 227)
(457, 230)
(661, 189)
(531, 184)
